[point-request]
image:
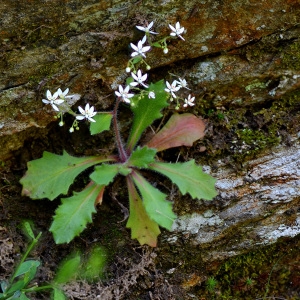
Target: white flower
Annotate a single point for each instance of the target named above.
(189, 101)
(124, 93)
(147, 29)
(62, 94)
(52, 100)
(139, 79)
(182, 83)
(87, 113)
(151, 95)
(171, 88)
(177, 30)
(139, 49)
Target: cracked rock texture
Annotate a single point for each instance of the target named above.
(237, 54)
(84, 45)
(255, 203)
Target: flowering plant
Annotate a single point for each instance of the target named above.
(52, 175)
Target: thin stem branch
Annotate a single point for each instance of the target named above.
(33, 243)
(122, 152)
(37, 288)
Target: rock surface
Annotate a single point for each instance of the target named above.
(260, 205)
(84, 45)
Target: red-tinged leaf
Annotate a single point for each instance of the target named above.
(154, 201)
(181, 130)
(99, 198)
(142, 227)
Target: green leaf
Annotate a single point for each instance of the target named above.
(189, 178)
(58, 294)
(16, 295)
(142, 227)
(129, 80)
(124, 170)
(136, 59)
(26, 266)
(157, 44)
(104, 174)
(74, 213)
(17, 286)
(68, 270)
(52, 175)
(94, 267)
(102, 123)
(180, 130)
(28, 276)
(141, 157)
(155, 203)
(23, 297)
(28, 229)
(146, 111)
(3, 285)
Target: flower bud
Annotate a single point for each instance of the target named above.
(128, 70)
(148, 67)
(166, 50)
(151, 95)
(61, 123)
(71, 129)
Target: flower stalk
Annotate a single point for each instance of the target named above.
(120, 146)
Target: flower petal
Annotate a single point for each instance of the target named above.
(141, 28)
(48, 94)
(58, 101)
(82, 111)
(55, 107)
(91, 120)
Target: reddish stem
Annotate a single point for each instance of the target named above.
(122, 152)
